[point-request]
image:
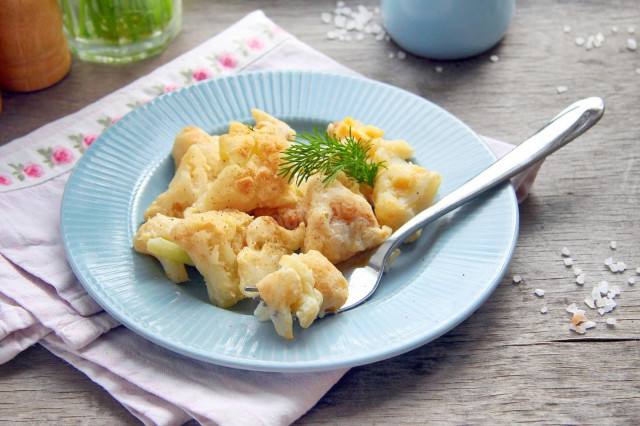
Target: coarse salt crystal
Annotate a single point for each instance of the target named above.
(566, 28)
(332, 35)
(578, 317)
(565, 252)
(631, 280)
(539, 292)
(562, 89)
(613, 291)
(614, 29)
(391, 55)
(325, 17)
(494, 58)
(517, 279)
(438, 69)
(612, 321)
(572, 308)
(580, 41)
(590, 302)
(603, 287)
(544, 310)
(595, 293)
(568, 261)
(580, 279)
(613, 267)
(608, 261)
(632, 44)
(402, 55)
(621, 266)
(589, 324)
(613, 245)
(589, 44)
(577, 271)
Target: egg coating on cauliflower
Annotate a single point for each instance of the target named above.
(250, 178)
(188, 183)
(340, 223)
(266, 243)
(213, 241)
(297, 289)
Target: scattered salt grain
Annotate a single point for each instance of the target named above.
(631, 281)
(632, 44)
(614, 290)
(568, 262)
(573, 308)
(590, 302)
(517, 279)
(608, 261)
(438, 69)
(325, 17)
(494, 58)
(613, 267)
(614, 29)
(603, 287)
(562, 89)
(580, 279)
(577, 271)
(580, 41)
(631, 30)
(613, 245)
(621, 266)
(609, 305)
(566, 28)
(391, 55)
(544, 310)
(402, 55)
(612, 321)
(565, 252)
(539, 292)
(589, 44)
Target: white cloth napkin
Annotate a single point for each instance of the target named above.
(42, 301)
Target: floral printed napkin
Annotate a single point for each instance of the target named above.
(42, 301)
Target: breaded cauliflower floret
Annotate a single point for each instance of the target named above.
(266, 243)
(403, 190)
(295, 288)
(250, 178)
(160, 226)
(209, 145)
(340, 223)
(188, 183)
(213, 241)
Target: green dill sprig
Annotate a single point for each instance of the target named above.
(316, 153)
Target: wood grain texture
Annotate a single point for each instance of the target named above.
(508, 363)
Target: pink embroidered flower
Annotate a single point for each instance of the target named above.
(170, 87)
(114, 119)
(254, 43)
(5, 180)
(33, 170)
(88, 139)
(201, 73)
(228, 60)
(62, 155)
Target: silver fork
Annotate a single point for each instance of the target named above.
(566, 126)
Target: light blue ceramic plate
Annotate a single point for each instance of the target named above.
(435, 284)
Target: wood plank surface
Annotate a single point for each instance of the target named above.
(508, 363)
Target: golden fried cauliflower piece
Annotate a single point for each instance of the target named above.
(250, 178)
(340, 223)
(209, 145)
(188, 183)
(159, 226)
(266, 243)
(299, 287)
(402, 191)
(213, 241)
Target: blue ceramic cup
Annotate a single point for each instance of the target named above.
(447, 29)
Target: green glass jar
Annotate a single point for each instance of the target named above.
(120, 31)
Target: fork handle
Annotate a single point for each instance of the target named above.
(566, 126)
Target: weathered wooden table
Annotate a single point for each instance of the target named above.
(509, 362)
